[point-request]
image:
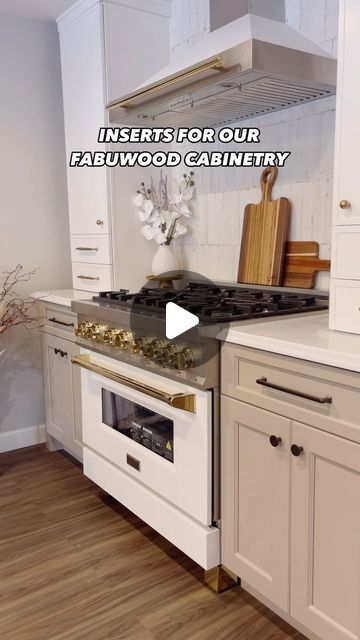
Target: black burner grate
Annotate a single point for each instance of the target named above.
(213, 303)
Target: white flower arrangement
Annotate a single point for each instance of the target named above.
(166, 216)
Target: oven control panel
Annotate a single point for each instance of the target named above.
(176, 356)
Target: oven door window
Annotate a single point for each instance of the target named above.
(149, 429)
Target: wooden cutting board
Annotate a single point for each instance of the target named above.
(264, 236)
(302, 263)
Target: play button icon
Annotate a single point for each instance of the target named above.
(178, 320)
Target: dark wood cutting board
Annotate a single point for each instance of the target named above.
(264, 236)
(302, 263)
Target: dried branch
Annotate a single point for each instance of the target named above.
(14, 310)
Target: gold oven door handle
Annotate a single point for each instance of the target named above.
(184, 401)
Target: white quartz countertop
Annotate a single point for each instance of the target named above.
(61, 296)
(307, 337)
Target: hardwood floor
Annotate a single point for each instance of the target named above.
(76, 565)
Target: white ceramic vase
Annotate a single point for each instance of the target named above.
(164, 261)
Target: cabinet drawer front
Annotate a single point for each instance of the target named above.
(345, 253)
(88, 277)
(91, 249)
(345, 305)
(57, 320)
(245, 370)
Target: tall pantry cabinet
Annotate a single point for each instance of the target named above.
(345, 276)
(107, 50)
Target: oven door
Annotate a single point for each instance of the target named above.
(156, 430)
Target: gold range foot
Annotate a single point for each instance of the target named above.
(220, 579)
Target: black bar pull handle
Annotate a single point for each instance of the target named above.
(64, 324)
(299, 394)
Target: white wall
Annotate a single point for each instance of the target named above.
(33, 197)
(308, 131)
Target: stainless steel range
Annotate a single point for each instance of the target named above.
(150, 405)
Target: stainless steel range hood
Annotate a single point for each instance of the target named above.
(247, 68)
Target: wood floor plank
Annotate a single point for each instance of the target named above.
(76, 565)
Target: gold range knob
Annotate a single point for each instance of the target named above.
(139, 344)
(159, 350)
(170, 354)
(179, 357)
(121, 338)
(185, 359)
(345, 204)
(83, 328)
(79, 329)
(149, 348)
(97, 332)
(106, 335)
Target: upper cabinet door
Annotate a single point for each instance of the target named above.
(255, 498)
(82, 61)
(347, 182)
(325, 547)
(136, 44)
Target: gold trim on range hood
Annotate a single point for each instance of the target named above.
(131, 99)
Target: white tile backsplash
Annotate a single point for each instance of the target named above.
(212, 247)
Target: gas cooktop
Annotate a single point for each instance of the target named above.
(212, 303)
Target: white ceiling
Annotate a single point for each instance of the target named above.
(35, 9)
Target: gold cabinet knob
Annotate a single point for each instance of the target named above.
(99, 222)
(345, 204)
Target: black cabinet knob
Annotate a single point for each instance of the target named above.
(296, 450)
(275, 441)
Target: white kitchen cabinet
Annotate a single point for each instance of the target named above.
(325, 534)
(346, 178)
(290, 518)
(61, 380)
(107, 49)
(255, 498)
(346, 206)
(84, 109)
(345, 305)
(345, 252)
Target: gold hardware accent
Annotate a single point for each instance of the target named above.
(86, 248)
(148, 349)
(139, 344)
(220, 579)
(106, 335)
(169, 354)
(88, 330)
(88, 278)
(79, 329)
(99, 222)
(345, 204)
(121, 338)
(213, 63)
(184, 401)
(96, 332)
